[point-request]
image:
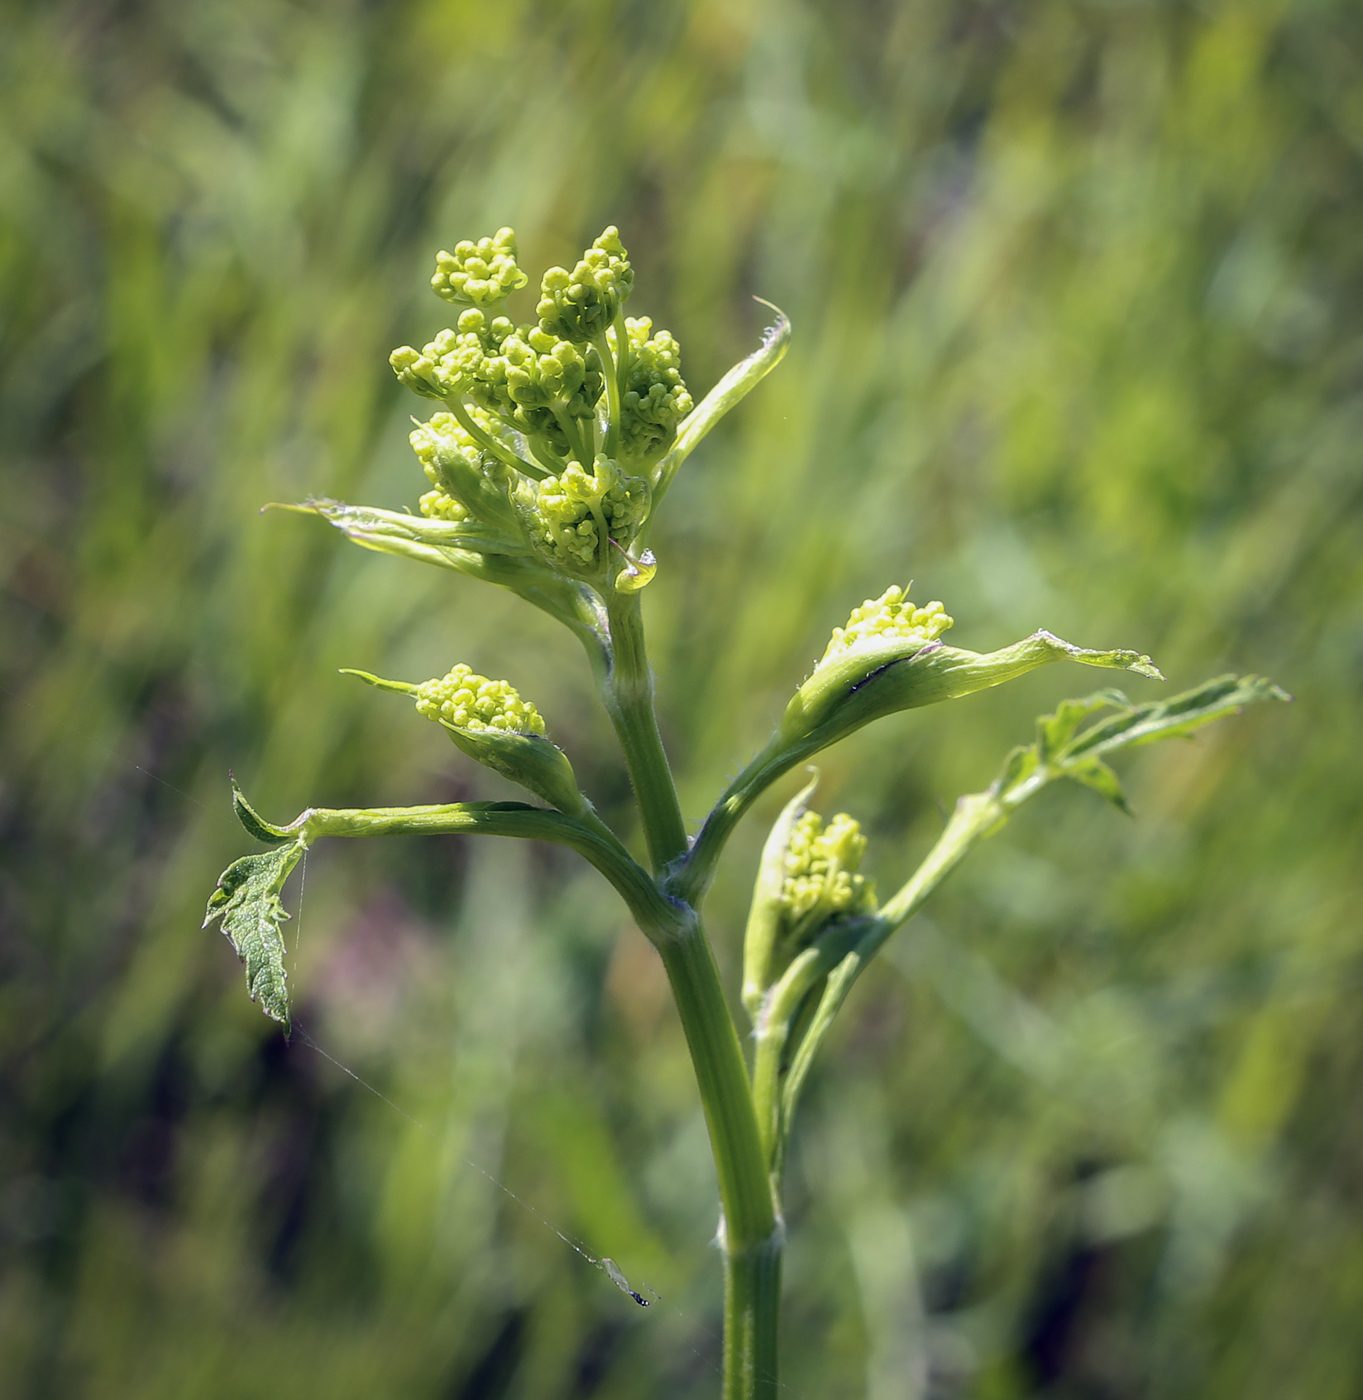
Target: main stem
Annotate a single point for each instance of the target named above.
(750, 1234)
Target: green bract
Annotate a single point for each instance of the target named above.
(888, 660)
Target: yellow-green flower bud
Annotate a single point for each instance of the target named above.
(655, 398)
(445, 367)
(436, 505)
(821, 870)
(463, 473)
(475, 703)
(490, 722)
(574, 516)
(580, 305)
(888, 622)
(481, 273)
(808, 877)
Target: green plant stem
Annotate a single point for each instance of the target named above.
(658, 915)
(751, 1236)
(628, 697)
(611, 445)
(752, 1301)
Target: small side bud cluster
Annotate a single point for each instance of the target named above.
(655, 398)
(821, 872)
(543, 387)
(481, 273)
(574, 516)
(470, 482)
(891, 618)
(579, 305)
(471, 702)
(450, 364)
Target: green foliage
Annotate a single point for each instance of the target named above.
(247, 902)
(1063, 750)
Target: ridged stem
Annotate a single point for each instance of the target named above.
(751, 1236)
(628, 697)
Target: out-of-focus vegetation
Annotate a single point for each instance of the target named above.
(1076, 291)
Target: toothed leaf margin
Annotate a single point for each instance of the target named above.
(248, 904)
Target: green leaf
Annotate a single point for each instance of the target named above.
(1094, 773)
(255, 824)
(1063, 750)
(1053, 732)
(1179, 716)
(248, 904)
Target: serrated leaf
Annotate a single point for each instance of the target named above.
(255, 824)
(1094, 773)
(1053, 732)
(1176, 717)
(248, 904)
(1063, 751)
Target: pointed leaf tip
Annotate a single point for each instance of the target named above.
(256, 825)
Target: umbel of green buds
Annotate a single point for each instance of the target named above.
(481, 273)
(580, 305)
(821, 874)
(490, 722)
(889, 658)
(558, 437)
(575, 516)
(808, 879)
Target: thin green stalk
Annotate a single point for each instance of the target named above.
(653, 911)
(608, 370)
(498, 449)
(628, 696)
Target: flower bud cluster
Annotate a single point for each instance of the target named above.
(481, 273)
(580, 305)
(891, 618)
(575, 515)
(454, 464)
(555, 428)
(821, 871)
(453, 362)
(655, 398)
(534, 382)
(471, 702)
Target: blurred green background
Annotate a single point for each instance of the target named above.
(1076, 291)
